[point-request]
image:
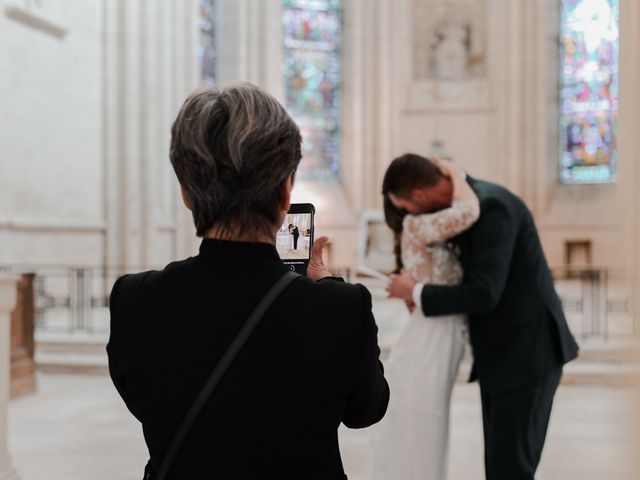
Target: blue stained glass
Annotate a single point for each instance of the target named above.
(312, 79)
(589, 91)
(207, 51)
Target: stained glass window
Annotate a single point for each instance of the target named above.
(207, 49)
(589, 91)
(312, 38)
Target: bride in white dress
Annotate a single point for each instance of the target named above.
(411, 442)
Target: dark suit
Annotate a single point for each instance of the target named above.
(296, 235)
(519, 335)
(311, 364)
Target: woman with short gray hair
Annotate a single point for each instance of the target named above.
(233, 152)
(304, 353)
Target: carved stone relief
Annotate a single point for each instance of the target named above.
(449, 39)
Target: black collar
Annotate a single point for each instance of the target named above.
(247, 251)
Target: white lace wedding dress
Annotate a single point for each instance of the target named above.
(411, 442)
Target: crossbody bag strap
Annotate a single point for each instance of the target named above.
(220, 369)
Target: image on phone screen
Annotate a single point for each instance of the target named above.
(294, 237)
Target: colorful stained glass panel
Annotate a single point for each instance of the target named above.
(207, 49)
(311, 69)
(589, 91)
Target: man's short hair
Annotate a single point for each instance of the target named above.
(408, 172)
(233, 151)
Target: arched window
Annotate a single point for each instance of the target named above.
(589, 91)
(207, 48)
(312, 79)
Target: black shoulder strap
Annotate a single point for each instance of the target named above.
(220, 369)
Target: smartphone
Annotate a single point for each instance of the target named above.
(295, 238)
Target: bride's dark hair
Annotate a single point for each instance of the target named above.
(405, 173)
(393, 216)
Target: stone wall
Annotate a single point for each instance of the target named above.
(85, 171)
(86, 174)
(50, 131)
(501, 125)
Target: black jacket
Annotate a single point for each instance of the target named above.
(311, 364)
(517, 328)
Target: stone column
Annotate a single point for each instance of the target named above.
(629, 140)
(629, 178)
(250, 43)
(7, 303)
(150, 65)
(366, 64)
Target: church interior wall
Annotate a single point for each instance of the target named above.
(629, 194)
(466, 135)
(27, 246)
(102, 98)
(91, 110)
(51, 163)
(564, 212)
(150, 65)
(503, 124)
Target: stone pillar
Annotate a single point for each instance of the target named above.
(629, 140)
(629, 155)
(7, 303)
(250, 46)
(150, 65)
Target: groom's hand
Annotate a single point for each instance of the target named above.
(401, 286)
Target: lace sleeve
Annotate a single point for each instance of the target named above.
(431, 228)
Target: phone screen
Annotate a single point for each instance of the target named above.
(294, 238)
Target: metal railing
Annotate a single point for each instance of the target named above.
(599, 302)
(70, 299)
(603, 297)
(75, 299)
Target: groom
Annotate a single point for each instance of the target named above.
(519, 335)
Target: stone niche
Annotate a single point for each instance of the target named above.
(449, 64)
(23, 367)
(449, 39)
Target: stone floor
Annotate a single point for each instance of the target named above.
(76, 428)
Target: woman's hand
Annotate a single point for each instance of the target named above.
(461, 189)
(448, 168)
(316, 268)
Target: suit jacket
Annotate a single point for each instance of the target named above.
(311, 364)
(518, 330)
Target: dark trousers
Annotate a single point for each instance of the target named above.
(515, 426)
(295, 242)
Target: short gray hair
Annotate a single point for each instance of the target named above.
(233, 151)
